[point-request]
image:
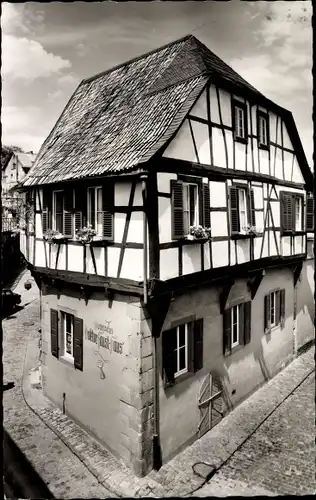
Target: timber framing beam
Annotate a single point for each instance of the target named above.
(158, 309)
(253, 285)
(224, 294)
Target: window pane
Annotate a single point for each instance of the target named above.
(68, 322)
(59, 222)
(242, 208)
(181, 335)
(91, 211)
(59, 202)
(182, 363)
(272, 305)
(99, 199)
(186, 204)
(99, 223)
(192, 200)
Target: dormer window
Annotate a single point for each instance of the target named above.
(263, 129)
(240, 121)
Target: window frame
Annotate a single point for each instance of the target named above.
(63, 318)
(184, 370)
(186, 189)
(247, 206)
(238, 306)
(54, 226)
(244, 108)
(262, 115)
(96, 189)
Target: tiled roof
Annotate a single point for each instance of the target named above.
(121, 117)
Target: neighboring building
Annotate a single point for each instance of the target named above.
(150, 336)
(14, 167)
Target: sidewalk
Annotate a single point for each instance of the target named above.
(104, 475)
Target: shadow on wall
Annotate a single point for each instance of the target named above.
(305, 294)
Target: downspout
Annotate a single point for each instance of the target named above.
(156, 445)
(144, 178)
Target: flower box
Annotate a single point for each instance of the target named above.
(198, 233)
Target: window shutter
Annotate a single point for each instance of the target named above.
(310, 214)
(198, 344)
(286, 212)
(177, 210)
(78, 343)
(169, 339)
(227, 334)
(108, 210)
(80, 207)
(47, 209)
(252, 207)
(282, 307)
(68, 213)
(234, 214)
(247, 322)
(267, 322)
(54, 332)
(206, 205)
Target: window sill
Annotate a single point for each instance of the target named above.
(235, 349)
(179, 379)
(265, 147)
(243, 140)
(67, 360)
(190, 241)
(241, 236)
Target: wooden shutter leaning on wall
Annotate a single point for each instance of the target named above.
(108, 210)
(169, 339)
(310, 216)
(234, 212)
(78, 343)
(227, 332)
(206, 205)
(177, 227)
(47, 209)
(54, 332)
(68, 213)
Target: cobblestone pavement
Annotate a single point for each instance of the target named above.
(75, 465)
(279, 459)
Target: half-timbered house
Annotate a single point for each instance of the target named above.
(172, 207)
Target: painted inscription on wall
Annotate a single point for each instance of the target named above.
(99, 336)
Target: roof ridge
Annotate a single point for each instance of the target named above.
(137, 58)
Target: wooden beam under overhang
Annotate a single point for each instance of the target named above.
(253, 285)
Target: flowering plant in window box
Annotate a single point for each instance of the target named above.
(199, 233)
(52, 236)
(87, 234)
(250, 230)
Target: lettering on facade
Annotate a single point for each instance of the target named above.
(108, 342)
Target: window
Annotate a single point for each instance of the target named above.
(263, 129)
(190, 203)
(274, 310)
(242, 210)
(190, 206)
(240, 121)
(291, 212)
(68, 333)
(237, 326)
(182, 350)
(69, 337)
(95, 211)
(58, 210)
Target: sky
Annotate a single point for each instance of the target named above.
(48, 48)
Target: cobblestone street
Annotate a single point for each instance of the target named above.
(265, 446)
(279, 457)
